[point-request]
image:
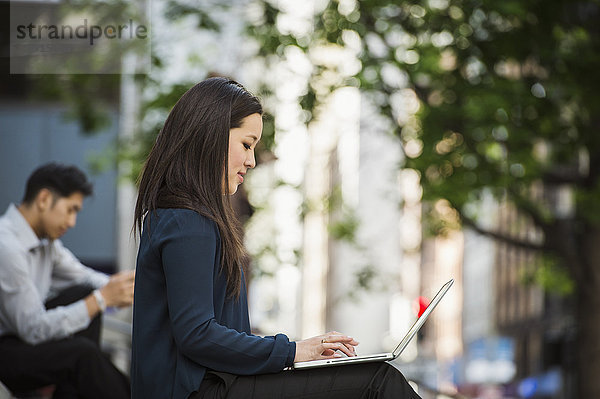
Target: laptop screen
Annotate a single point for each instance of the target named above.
(421, 320)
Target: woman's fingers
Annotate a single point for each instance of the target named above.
(339, 338)
(326, 346)
(351, 348)
(338, 346)
(347, 343)
(328, 352)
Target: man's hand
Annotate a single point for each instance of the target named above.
(119, 289)
(325, 347)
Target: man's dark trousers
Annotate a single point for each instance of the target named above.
(75, 365)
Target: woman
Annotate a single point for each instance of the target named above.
(191, 332)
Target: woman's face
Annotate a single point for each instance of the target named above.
(242, 142)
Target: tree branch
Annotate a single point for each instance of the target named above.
(527, 207)
(563, 176)
(500, 237)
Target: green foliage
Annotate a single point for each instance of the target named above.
(344, 229)
(343, 223)
(439, 219)
(365, 277)
(550, 275)
(267, 140)
(102, 160)
(175, 10)
(506, 94)
(89, 98)
(587, 202)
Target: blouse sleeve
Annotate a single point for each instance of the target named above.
(188, 257)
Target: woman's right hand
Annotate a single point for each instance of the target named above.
(325, 347)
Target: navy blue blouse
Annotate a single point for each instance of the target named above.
(183, 321)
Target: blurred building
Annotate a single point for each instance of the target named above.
(517, 337)
(541, 323)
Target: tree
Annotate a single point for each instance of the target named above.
(506, 99)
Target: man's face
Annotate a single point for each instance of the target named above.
(59, 214)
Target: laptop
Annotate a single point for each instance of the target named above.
(381, 357)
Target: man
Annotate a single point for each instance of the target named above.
(50, 304)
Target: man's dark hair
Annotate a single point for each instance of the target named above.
(62, 180)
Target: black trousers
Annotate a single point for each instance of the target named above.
(75, 366)
(359, 381)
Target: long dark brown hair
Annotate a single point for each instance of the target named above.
(187, 166)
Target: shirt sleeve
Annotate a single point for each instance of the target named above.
(188, 258)
(68, 271)
(23, 310)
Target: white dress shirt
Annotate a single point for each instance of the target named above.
(31, 272)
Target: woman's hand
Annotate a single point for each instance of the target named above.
(325, 347)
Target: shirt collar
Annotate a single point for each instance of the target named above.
(24, 231)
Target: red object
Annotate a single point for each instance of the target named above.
(420, 305)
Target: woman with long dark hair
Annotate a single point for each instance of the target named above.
(191, 331)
